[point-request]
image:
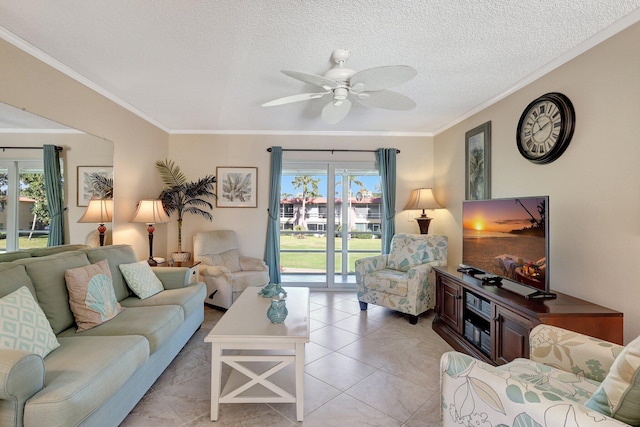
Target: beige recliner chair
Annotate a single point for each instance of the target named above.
(226, 272)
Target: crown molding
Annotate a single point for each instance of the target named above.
(300, 133)
(54, 63)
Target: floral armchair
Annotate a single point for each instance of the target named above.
(404, 279)
(570, 380)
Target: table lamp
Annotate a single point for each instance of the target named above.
(99, 211)
(422, 198)
(151, 212)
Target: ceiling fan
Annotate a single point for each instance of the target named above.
(368, 87)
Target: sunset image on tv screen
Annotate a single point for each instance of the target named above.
(507, 237)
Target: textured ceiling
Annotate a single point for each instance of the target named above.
(208, 65)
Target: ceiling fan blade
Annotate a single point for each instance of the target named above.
(295, 98)
(380, 78)
(335, 111)
(387, 99)
(313, 79)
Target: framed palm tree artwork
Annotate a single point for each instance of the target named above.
(478, 162)
(94, 182)
(237, 187)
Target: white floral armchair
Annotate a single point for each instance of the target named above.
(225, 272)
(571, 380)
(404, 279)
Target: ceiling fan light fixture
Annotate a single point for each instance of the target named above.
(368, 86)
(340, 93)
(340, 74)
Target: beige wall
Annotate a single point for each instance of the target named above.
(28, 83)
(201, 154)
(594, 205)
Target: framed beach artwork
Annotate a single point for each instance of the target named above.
(86, 188)
(478, 162)
(237, 187)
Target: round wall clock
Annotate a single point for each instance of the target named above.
(545, 128)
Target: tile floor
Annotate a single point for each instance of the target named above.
(368, 368)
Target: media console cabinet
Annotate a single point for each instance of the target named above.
(492, 323)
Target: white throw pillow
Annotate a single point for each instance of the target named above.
(141, 279)
(23, 324)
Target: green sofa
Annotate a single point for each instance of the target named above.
(96, 377)
(38, 252)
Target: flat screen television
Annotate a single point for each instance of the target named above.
(509, 238)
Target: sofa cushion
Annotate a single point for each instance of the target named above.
(23, 325)
(141, 279)
(57, 249)
(116, 255)
(81, 375)
(389, 281)
(157, 324)
(619, 393)
(190, 298)
(91, 295)
(12, 256)
(47, 276)
(14, 276)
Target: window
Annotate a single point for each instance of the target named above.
(317, 249)
(24, 216)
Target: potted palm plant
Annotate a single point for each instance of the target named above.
(184, 197)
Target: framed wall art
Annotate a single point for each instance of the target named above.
(478, 162)
(237, 187)
(86, 182)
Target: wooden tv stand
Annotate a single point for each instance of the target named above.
(493, 324)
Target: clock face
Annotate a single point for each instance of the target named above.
(545, 128)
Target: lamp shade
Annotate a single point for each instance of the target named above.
(422, 198)
(98, 211)
(151, 212)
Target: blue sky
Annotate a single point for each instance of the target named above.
(371, 183)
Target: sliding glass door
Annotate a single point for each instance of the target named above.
(24, 217)
(329, 217)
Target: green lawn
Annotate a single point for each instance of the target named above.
(316, 261)
(25, 243)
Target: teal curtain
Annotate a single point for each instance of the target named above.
(272, 250)
(386, 159)
(55, 197)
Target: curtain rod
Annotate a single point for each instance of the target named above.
(329, 150)
(28, 148)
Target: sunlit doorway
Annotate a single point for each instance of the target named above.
(24, 216)
(330, 215)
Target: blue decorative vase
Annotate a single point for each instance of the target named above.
(272, 290)
(277, 311)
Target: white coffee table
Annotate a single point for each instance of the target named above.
(267, 358)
